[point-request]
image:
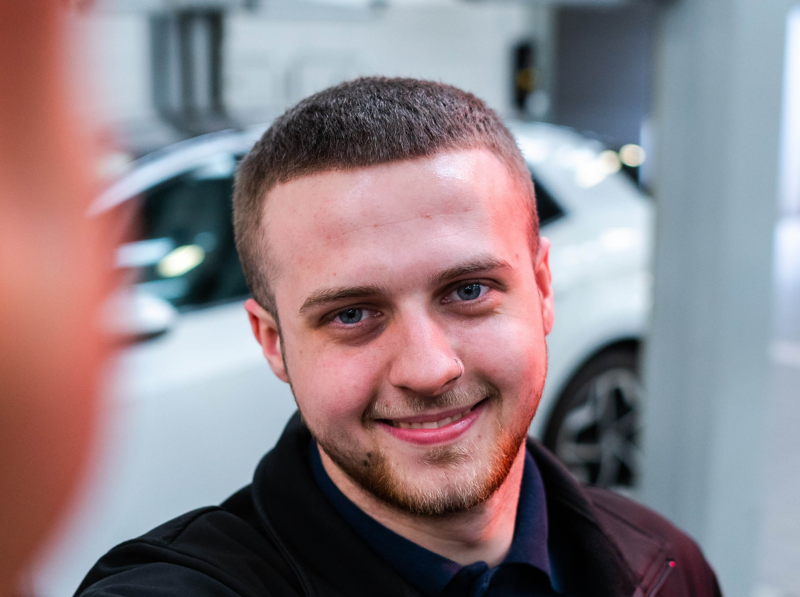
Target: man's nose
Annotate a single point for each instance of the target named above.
(424, 360)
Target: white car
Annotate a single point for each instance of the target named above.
(194, 406)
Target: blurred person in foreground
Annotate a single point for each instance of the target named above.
(53, 275)
(389, 235)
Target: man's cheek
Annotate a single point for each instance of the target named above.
(501, 349)
(335, 388)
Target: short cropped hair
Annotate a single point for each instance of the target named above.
(361, 123)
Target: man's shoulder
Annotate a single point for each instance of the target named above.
(663, 556)
(620, 534)
(218, 550)
(631, 521)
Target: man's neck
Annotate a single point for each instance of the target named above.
(483, 533)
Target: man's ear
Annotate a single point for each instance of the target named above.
(545, 283)
(265, 330)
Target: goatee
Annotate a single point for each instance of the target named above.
(459, 477)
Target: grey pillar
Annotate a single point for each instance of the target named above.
(719, 73)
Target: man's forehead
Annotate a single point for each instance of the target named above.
(459, 179)
(357, 214)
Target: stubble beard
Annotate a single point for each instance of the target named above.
(457, 478)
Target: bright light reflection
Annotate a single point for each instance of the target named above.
(180, 261)
(632, 155)
(589, 174)
(616, 240)
(609, 161)
(580, 157)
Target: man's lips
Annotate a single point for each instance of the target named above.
(434, 428)
(431, 420)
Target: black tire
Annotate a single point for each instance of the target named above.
(595, 426)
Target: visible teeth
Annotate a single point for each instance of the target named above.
(432, 424)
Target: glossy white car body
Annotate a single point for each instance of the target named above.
(190, 413)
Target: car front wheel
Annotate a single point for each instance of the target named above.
(594, 429)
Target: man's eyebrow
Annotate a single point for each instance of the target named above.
(330, 295)
(473, 267)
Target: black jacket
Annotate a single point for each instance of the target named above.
(281, 537)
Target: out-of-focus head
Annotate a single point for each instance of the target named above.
(365, 122)
(55, 272)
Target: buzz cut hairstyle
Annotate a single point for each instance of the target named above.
(361, 123)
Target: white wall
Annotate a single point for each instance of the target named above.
(274, 58)
(112, 65)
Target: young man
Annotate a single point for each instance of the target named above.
(388, 231)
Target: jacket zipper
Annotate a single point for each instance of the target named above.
(661, 578)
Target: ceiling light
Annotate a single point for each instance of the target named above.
(632, 155)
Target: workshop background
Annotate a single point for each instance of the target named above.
(705, 96)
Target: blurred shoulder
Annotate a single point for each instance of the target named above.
(213, 551)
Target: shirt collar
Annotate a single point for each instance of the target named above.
(428, 571)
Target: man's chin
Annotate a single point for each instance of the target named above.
(442, 480)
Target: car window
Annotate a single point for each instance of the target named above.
(546, 206)
(186, 252)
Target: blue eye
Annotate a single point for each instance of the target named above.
(469, 292)
(350, 316)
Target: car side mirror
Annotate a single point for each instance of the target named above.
(134, 315)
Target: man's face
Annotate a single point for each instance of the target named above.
(384, 276)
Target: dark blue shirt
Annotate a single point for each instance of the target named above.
(526, 570)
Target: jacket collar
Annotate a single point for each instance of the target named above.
(594, 563)
(328, 555)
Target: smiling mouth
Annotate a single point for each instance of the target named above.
(433, 424)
